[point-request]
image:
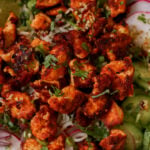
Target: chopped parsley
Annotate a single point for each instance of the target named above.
(50, 61)
(57, 92)
(85, 46)
(43, 143)
(142, 18)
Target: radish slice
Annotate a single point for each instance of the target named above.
(13, 141)
(16, 143)
(141, 5)
(140, 31)
(4, 134)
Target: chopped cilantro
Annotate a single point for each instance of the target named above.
(50, 61)
(78, 72)
(114, 31)
(97, 131)
(24, 17)
(81, 73)
(100, 3)
(44, 148)
(60, 12)
(107, 13)
(5, 121)
(70, 142)
(43, 143)
(142, 18)
(32, 6)
(40, 49)
(122, 2)
(52, 26)
(85, 46)
(107, 91)
(57, 92)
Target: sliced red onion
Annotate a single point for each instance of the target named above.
(9, 139)
(73, 131)
(79, 137)
(16, 143)
(4, 143)
(140, 5)
(4, 134)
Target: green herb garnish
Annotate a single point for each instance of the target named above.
(98, 132)
(52, 26)
(70, 142)
(122, 2)
(44, 148)
(114, 31)
(81, 73)
(32, 6)
(107, 91)
(142, 18)
(40, 49)
(107, 13)
(50, 61)
(57, 92)
(85, 47)
(100, 3)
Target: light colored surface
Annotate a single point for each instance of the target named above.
(7, 6)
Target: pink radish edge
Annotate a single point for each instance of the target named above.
(138, 1)
(138, 12)
(11, 134)
(135, 2)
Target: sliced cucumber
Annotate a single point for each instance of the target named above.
(142, 71)
(138, 107)
(134, 136)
